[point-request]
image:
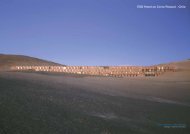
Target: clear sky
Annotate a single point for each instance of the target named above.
(96, 32)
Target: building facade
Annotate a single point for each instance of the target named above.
(116, 71)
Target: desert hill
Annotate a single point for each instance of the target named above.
(12, 60)
(182, 71)
(181, 65)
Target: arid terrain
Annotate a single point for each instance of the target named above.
(12, 60)
(55, 103)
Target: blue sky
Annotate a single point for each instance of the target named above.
(95, 32)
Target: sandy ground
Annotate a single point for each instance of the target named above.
(63, 104)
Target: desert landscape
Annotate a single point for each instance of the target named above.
(60, 103)
(94, 67)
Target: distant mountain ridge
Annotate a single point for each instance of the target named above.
(7, 60)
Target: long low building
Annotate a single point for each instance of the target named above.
(116, 71)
